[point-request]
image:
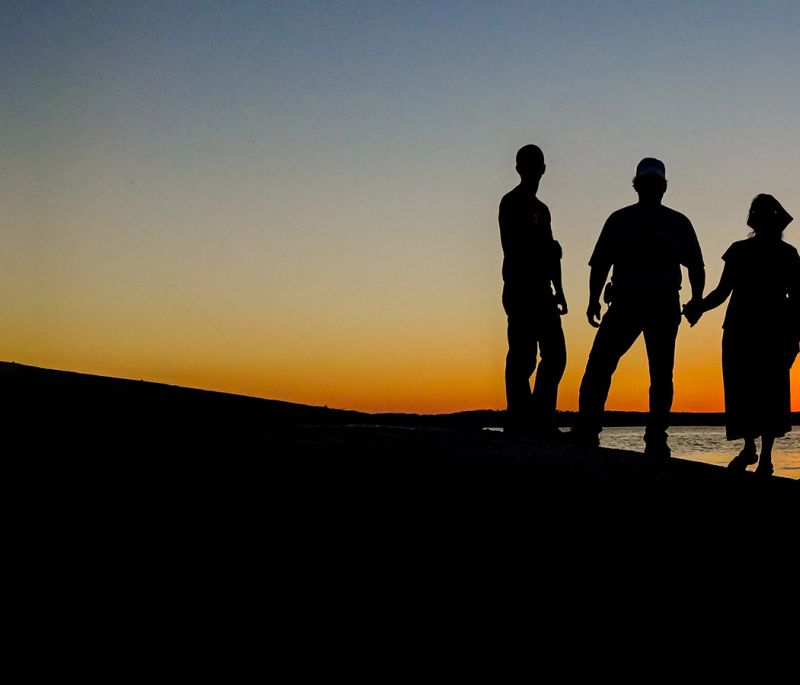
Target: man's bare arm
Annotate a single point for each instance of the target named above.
(555, 277)
(697, 280)
(597, 279)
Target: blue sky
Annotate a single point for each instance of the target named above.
(293, 198)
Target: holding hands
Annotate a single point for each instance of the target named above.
(693, 311)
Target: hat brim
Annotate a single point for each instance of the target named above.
(782, 217)
(651, 171)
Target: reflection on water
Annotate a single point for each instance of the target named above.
(708, 444)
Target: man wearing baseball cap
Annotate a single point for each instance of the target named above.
(646, 244)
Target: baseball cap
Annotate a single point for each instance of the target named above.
(650, 166)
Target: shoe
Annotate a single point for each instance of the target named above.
(547, 433)
(659, 451)
(765, 469)
(745, 458)
(581, 438)
(516, 431)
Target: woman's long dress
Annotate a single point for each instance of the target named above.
(760, 336)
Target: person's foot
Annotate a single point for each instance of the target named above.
(765, 469)
(747, 457)
(581, 438)
(657, 450)
(516, 431)
(547, 433)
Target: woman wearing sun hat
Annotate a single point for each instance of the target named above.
(761, 332)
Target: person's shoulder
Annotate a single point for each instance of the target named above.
(630, 210)
(737, 248)
(508, 206)
(512, 195)
(675, 217)
(789, 256)
(789, 250)
(541, 206)
(621, 215)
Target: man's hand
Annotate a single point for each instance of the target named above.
(693, 311)
(593, 314)
(561, 304)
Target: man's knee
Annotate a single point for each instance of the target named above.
(553, 346)
(662, 392)
(601, 363)
(556, 360)
(661, 370)
(518, 362)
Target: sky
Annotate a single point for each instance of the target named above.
(298, 200)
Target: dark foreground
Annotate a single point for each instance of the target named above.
(230, 457)
(176, 517)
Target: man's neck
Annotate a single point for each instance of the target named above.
(649, 203)
(529, 186)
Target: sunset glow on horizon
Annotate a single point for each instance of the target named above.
(298, 201)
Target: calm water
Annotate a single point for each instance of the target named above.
(708, 444)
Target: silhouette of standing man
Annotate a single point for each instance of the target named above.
(534, 301)
(646, 243)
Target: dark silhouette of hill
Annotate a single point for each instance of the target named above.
(68, 393)
(67, 397)
(170, 454)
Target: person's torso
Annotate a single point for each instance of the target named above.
(761, 271)
(647, 251)
(527, 243)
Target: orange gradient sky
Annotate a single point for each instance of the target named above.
(300, 202)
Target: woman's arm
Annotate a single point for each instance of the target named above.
(694, 310)
(717, 296)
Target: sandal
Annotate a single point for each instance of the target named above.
(765, 469)
(745, 458)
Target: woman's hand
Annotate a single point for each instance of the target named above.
(693, 311)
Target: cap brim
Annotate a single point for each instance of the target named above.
(651, 171)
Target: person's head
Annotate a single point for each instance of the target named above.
(530, 163)
(650, 181)
(767, 217)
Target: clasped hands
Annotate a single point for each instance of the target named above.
(693, 311)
